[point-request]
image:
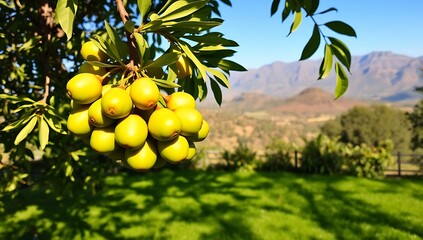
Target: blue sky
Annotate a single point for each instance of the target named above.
(381, 25)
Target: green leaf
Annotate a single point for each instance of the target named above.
(26, 130)
(164, 60)
(328, 10)
(143, 48)
(311, 6)
(286, 11)
(129, 26)
(117, 44)
(15, 99)
(20, 122)
(102, 64)
(212, 38)
(341, 81)
(189, 26)
(144, 6)
(43, 132)
(340, 56)
(180, 9)
(327, 62)
(312, 44)
(217, 92)
(341, 28)
(223, 80)
(274, 8)
(165, 83)
(186, 48)
(65, 14)
(230, 65)
(342, 47)
(298, 16)
(54, 124)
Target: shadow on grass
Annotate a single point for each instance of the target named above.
(133, 207)
(214, 205)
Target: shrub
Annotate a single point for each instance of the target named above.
(242, 158)
(366, 161)
(322, 155)
(277, 157)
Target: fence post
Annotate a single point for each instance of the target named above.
(296, 160)
(399, 163)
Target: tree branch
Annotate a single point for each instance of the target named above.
(124, 16)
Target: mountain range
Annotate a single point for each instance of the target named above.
(377, 76)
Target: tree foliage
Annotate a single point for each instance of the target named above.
(40, 51)
(372, 126)
(416, 118)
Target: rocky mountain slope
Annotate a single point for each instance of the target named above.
(382, 76)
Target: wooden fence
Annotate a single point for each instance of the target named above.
(405, 164)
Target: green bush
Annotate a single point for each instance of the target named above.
(277, 157)
(242, 158)
(366, 161)
(322, 155)
(325, 155)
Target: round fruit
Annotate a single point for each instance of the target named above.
(106, 88)
(97, 116)
(191, 151)
(131, 132)
(184, 68)
(88, 68)
(142, 158)
(103, 140)
(91, 52)
(116, 103)
(84, 88)
(144, 93)
(174, 150)
(179, 100)
(191, 120)
(202, 134)
(164, 124)
(78, 122)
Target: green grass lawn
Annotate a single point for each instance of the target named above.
(212, 205)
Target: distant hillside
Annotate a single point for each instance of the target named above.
(375, 76)
(316, 100)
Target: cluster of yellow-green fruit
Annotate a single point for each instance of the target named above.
(126, 123)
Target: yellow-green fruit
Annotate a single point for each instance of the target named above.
(116, 103)
(202, 134)
(179, 100)
(106, 88)
(191, 120)
(191, 151)
(144, 93)
(97, 116)
(91, 52)
(184, 68)
(175, 150)
(78, 122)
(164, 124)
(103, 140)
(131, 132)
(84, 88)
(88, 68)
(142, 158)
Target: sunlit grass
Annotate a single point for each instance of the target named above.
(211, 205)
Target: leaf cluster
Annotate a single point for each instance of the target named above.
(336, 53)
